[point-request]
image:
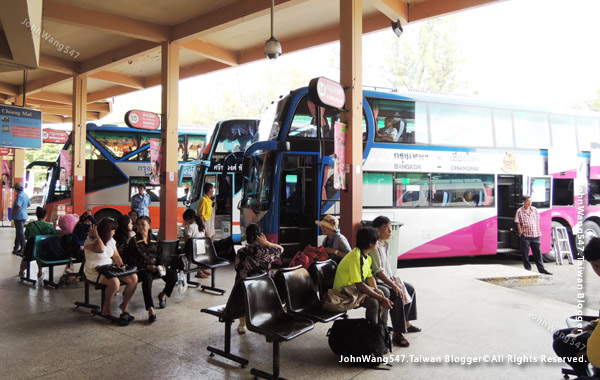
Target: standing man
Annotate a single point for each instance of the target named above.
(528, 222)
(205, 210)
(141, 201)
(19, 216)
(402, 294)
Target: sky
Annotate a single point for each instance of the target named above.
(531, 52)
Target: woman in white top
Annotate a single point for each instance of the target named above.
(100, 249)
(194, 228)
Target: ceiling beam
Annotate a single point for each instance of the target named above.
(213, 52)
(58, 65)
(393, 9)
(225, 17)
(52, 97)
(38, 102)
(52, 80)
(21, 23)
(49, 118)
(104, 21)
(434, 8)
(117, 56)
(9, 89)
(120, 79)
(109, 93)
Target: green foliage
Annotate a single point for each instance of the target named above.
(596, 104)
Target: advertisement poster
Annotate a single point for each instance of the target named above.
(66, 169)
(6, 174)
(339, 156)
(155, 160)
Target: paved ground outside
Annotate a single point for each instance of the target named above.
(471, 329)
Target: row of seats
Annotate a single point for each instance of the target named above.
(203, 256)
(42, 258)
(261, 300)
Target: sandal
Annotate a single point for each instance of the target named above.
(125, 318)
(241, 330)
(413, 329)
(201, 274)
(400, 340)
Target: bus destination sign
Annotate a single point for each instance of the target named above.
(327, 93)
(142, 120)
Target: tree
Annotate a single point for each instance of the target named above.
(596, 103)
(426, 56)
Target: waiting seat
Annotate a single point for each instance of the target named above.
(40, 256)
(323, 275)
(297, 290)
(169, 249)
(204, 256)
(228, 313)
(265, 316)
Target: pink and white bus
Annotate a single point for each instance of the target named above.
(454, 173)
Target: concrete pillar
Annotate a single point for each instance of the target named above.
(169, 137)
(351, 79)
(78, 143)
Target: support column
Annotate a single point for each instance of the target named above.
(351, 78)
(18, 169)
(78, 143)
(169, 127)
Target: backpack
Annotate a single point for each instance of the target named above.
(308, 255)
(364, 343)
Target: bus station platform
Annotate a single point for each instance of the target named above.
(472, 329)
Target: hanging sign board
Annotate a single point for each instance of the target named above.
(54, 136)
(142, 120)
(326, 93)
(20, 127)
(5, 151)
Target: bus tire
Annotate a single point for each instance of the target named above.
(550, 257)
(590, 230)
(114, 214)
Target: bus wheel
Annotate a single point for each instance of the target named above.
(550, 257)
(590, 230)
(107, 213)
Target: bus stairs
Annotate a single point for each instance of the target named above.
(562, 245)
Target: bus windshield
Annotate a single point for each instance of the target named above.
(271, 122)
(257, 186)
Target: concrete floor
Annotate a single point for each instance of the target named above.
(43, 336)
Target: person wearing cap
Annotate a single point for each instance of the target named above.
(19, 216)
(141, 201)
(528, 222)
(335, 243)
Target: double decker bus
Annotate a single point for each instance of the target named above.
(454, 174)
(221, 165)
(117, 159)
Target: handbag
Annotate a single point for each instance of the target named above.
(363, 340)
(111, 270)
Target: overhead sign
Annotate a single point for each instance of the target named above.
(20, 127)
(326, 93)
(54, 136)
(142, 120)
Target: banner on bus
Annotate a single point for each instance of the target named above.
(66, 169)
(155, 160)
(339, 159)
(21, 127)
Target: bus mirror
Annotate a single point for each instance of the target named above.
(246, 167)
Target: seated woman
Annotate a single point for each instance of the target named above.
(255, 258)
(101, 249)
(335, 243)
(145, 253)
(194, 228)
(124, 232)
(39, 227)
(80, 234)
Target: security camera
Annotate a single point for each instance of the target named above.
(272, 48)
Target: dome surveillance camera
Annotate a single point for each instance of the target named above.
(272, 48)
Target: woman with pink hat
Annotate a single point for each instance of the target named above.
(335, 243)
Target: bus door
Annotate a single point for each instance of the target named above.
(540, 189)
(298, 202)
(509, 199)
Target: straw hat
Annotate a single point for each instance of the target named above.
(329, 221)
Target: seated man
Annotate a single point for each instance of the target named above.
(387, 133)
(570, 344)
(401, 294)
(355, 269)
